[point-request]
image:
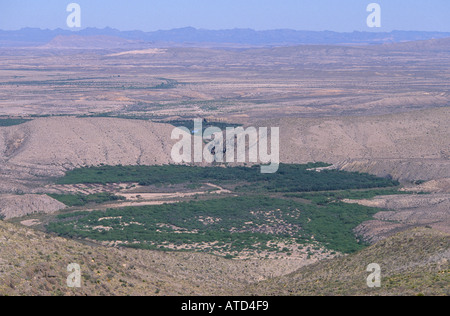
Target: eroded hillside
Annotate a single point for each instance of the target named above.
(33, 263)
(407, 146)
(47, 147)
(412, 263)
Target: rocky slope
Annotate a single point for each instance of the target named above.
(34, 263)
(405, 212)
(408, 146)
(47, 147)
(21, 205)
(69, 142)
(412, 263)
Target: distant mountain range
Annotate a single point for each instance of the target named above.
(242, 37)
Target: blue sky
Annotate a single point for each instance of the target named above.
(151, 15)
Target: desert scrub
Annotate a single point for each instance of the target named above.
(11, 122)
(81, 200)
(227, 224)
(289, 178)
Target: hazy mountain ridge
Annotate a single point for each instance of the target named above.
(92, 42)
(37, 37)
